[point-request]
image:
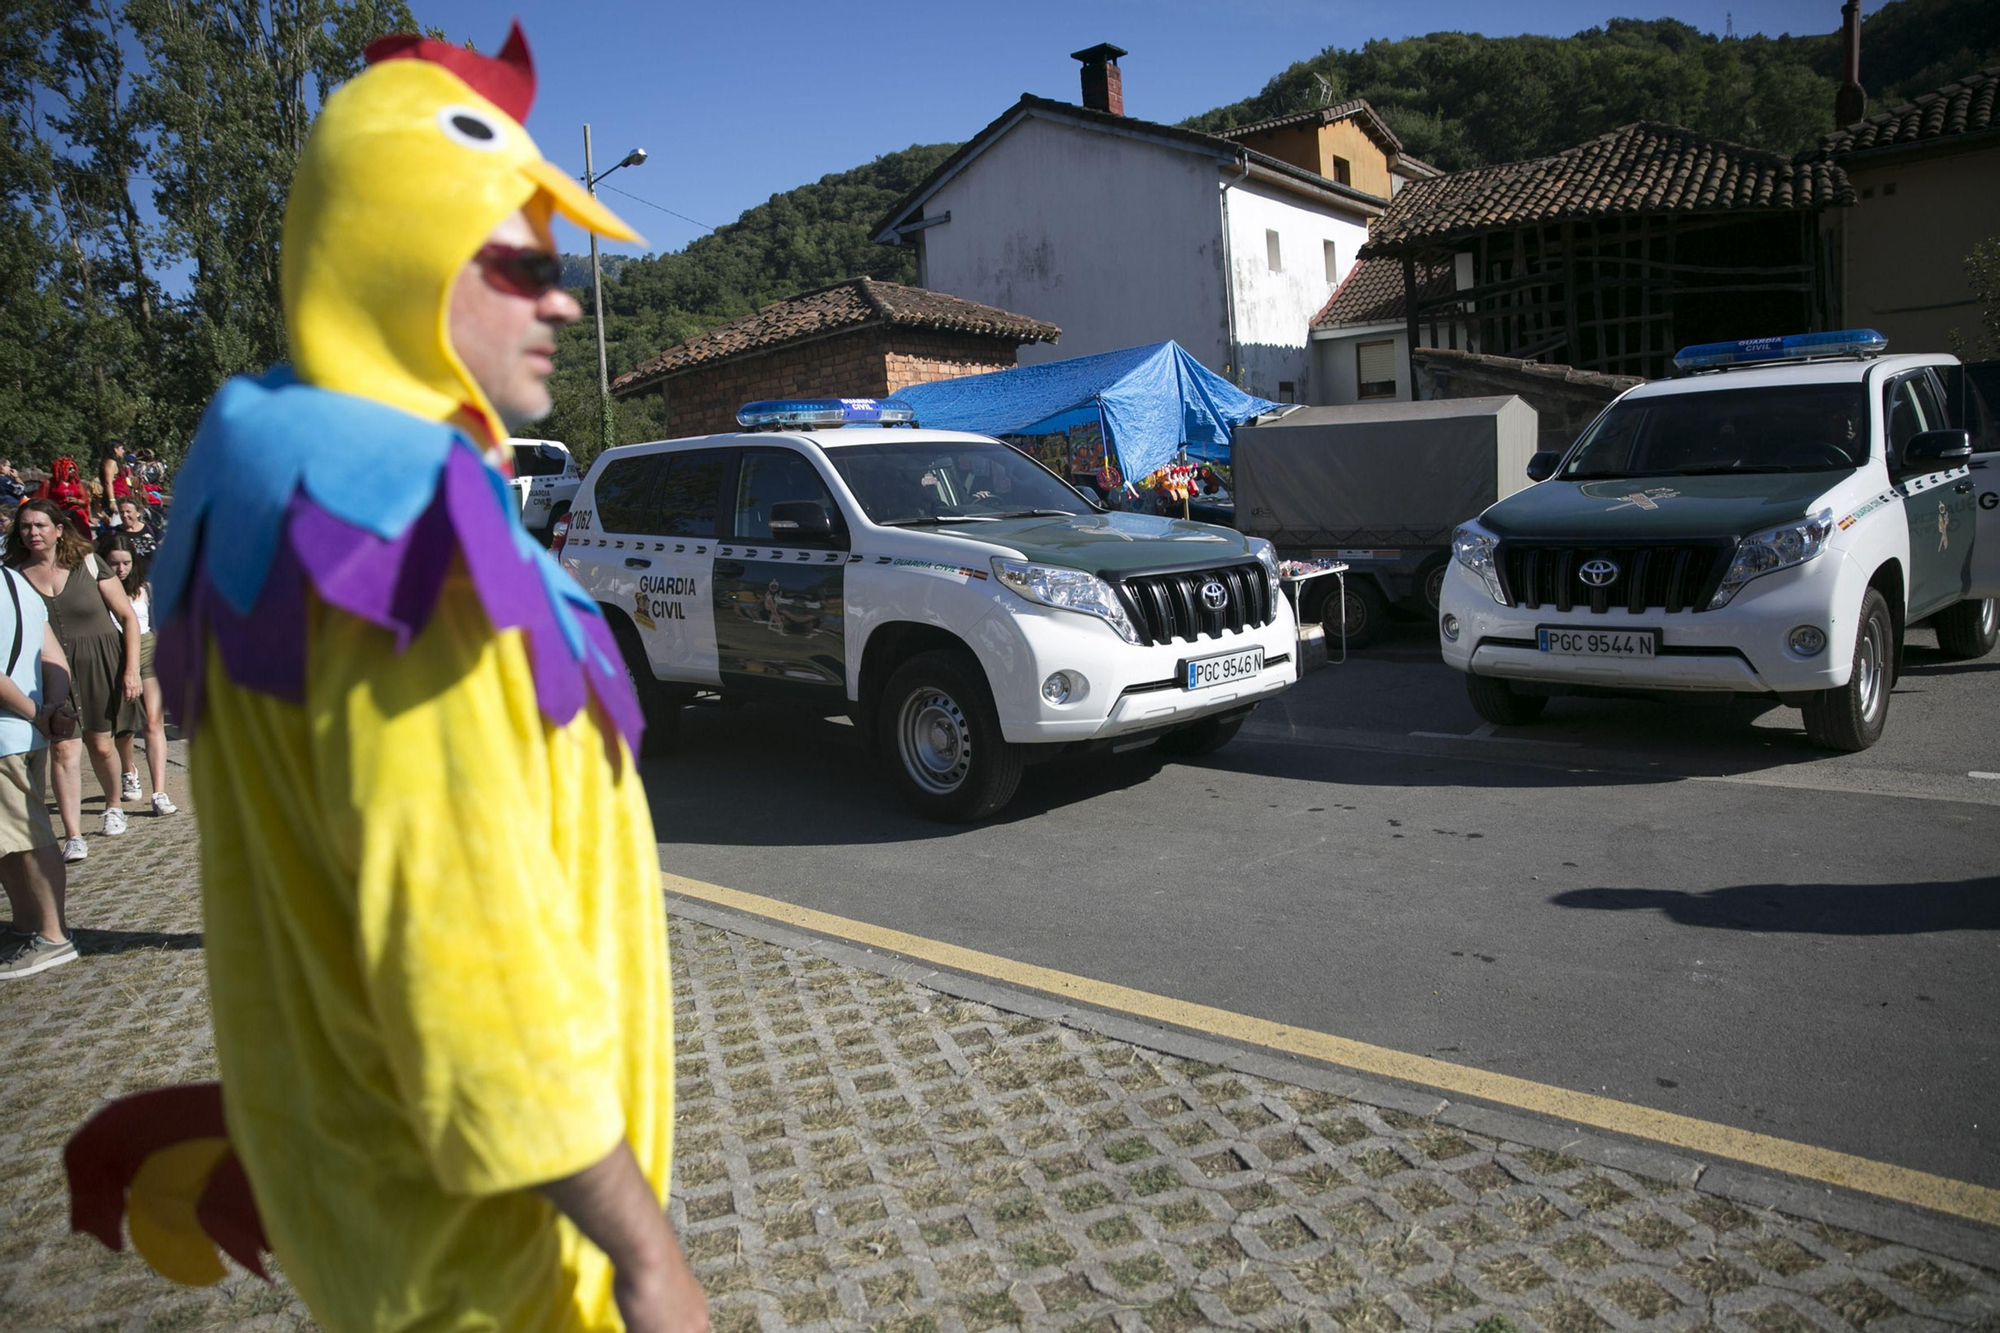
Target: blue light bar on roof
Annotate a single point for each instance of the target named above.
(811, 413)
(1789, 347)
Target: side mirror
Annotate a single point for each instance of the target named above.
(1544, 464)
(1937, 446)
(802, 521)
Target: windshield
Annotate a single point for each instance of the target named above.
(1792, 428)
(950, 482)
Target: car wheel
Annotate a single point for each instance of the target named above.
(1969, 629)
(1434, 587)
(937, 729)
(1203, 737)
(1367, 612)
(660, 707)
(1498, 702)
(1852, 717)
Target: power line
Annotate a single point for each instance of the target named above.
(650, 204)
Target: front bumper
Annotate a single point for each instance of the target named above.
(1739, 649)
(1127, 688)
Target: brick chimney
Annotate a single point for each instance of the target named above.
(1851, 102)
(1103, 87)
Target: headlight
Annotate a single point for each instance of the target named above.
(1771, 550)
(1474, 547)
(1066, 590)
(1267, 556)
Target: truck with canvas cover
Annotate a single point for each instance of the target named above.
(1378, 486)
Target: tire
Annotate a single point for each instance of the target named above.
(1434, 586)
(660, 707)
(1203, 737)
(938, 732)
(1367, 613)
(1853, 716)
(1498, 702)
(1969, 629)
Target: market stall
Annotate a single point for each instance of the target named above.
(1148, 417)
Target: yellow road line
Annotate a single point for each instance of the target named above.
(1940, 1194)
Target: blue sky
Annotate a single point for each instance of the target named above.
(738, 101)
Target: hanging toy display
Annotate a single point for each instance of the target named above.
(1109, 479)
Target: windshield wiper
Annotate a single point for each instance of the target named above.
(941, 518)
(1760, 467)
(1039, 513)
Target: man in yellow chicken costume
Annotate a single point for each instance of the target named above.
(436, 939)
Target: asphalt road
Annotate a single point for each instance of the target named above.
(1683, 907)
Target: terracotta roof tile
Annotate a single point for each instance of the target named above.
(1964, 107)
(1372, 292)
(1641, 168)
(1323, 115)
(853, 304)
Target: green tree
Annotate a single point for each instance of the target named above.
(1982, 272)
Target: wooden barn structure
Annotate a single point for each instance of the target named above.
(1611, 255)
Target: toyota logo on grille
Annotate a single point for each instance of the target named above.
(1214, 596)
(1598, 573)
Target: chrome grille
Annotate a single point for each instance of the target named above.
(1668, 577)
(1166, 607)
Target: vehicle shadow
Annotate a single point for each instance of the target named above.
(1814, 909)
(768, 775)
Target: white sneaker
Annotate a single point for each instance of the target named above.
(163, 806)
(114, 823)
(128, 786)
(74, 850)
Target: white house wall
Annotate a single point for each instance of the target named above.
(1116, 242)
(1336, 370)
(1274, 311)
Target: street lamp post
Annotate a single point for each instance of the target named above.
(590, 179)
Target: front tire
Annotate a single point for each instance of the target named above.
(1367, 612)
(1969, 629)
(660, 707)
(1498, 702)
(937, 728)
(1852, 717)
(1197, 738)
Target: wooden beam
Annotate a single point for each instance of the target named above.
(1410, 319)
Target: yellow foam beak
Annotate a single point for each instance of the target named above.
(576, 203)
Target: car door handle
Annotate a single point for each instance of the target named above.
(1964, 487)
(728, 569)
(634, 562)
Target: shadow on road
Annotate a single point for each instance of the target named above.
(772, 776)
(1814, 909)
(91, 943)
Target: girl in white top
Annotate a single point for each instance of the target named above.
(130, 570)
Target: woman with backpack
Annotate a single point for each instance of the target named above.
(93, 620)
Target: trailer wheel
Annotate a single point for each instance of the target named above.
(1434, 585)
(1367, 611)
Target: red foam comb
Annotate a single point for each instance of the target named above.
(506, 80)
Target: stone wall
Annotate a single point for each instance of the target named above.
(866, 363)
(1564, 398)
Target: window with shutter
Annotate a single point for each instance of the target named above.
(1271, 255)
(1375, 368)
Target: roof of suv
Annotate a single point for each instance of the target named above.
(1833, 370)
(839, 438)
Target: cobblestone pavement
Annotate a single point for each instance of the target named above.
(858, 1151)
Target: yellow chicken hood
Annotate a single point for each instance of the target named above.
(408, 169)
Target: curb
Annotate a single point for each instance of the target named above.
(1847, 1209)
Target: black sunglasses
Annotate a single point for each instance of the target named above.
(518, 271)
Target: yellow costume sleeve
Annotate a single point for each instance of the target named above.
(436, 767)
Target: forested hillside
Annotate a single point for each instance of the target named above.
(1461, 100)
(791, 243)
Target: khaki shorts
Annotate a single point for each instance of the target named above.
(24, 809)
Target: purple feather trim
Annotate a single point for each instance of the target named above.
(394, 584)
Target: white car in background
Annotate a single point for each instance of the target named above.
(545, 483)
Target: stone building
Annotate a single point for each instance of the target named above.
(861, 338)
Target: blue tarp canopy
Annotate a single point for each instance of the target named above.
(1151, 401)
